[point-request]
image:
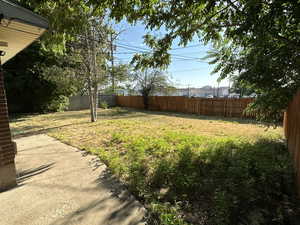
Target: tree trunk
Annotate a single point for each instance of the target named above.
(95, 102)
(94, 82)
(146, 102)
(92, 103)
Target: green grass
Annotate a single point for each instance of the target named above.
(186, 169)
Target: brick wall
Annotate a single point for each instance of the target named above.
(7, 150)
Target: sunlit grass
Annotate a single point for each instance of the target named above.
(77, 129)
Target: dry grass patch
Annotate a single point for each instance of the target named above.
(75, 127)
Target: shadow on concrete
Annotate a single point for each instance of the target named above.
(29, 173)
(102, 206)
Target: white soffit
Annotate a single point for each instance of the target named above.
(19, 27)
(17, 36)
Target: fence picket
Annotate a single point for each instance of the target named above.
(200, 106)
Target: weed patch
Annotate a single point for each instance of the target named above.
(206, 180)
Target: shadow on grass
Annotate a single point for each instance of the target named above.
(21, 132)
(202, 117)
(106, 114)
(230, 182)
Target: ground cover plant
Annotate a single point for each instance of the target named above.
(186, 169)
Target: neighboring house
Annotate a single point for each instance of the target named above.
(198, 92)
(19, 27)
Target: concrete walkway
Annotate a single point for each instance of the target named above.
(61, 185)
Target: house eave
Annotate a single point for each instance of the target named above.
(11, 11)
(19, 27)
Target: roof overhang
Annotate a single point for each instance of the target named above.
(19, 27)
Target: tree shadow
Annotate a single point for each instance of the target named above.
(112, 202)
(243, 180)
(114, 208)
(25, 175)
(202, 117)
(108, 113)
(19, 132)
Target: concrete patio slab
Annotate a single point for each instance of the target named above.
(61, 185)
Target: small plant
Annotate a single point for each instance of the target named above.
(103, 105)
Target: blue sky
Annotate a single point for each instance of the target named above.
(187, 72)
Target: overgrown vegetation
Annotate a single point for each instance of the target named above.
(103, 105)
(186, 169)
(28, 90)
(206, 180)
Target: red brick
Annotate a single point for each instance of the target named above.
(7, 153)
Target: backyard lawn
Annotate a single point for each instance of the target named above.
(186, 169)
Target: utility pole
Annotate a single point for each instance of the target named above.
(112, 62)
(229, 86)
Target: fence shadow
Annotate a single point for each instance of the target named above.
(199, 117)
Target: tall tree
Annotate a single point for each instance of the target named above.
(80, 36)
(147, 82)
(92, 50)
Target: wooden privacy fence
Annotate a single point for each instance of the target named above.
(292, 133)
(226, 107)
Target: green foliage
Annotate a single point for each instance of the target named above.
(28, 88)
(256, 40)
(148, 82)
(239, 87)
(103, 105)
(165, 214)
(66, 19)
(59, 104)
(216, 180)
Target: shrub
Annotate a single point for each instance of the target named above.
(58, 104)
(103, 105)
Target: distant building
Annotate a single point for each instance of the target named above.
(188, 92)
(199, 92)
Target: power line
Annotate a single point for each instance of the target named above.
(132, 47)
(191, 46)
(178, 71)
(137, 49)
(128, 53)
(142, 50)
